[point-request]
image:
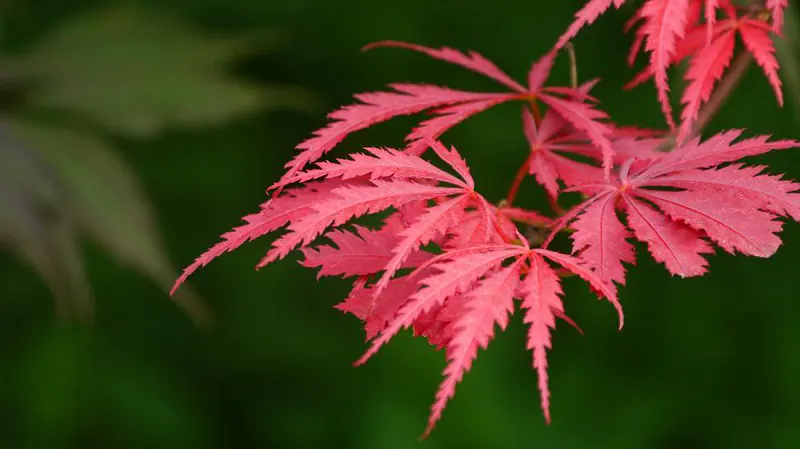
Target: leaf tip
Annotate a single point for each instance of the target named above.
(380, 44)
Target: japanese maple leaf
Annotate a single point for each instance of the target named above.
(665, 18)
(707, 66)
(586, 16)
(292, 205)
(680, 202)
(575, 108)
(449, 106)
(776, 9)
(462, 294)
(374, 108)
(476, 227)
(710, 51)
(359, 252)
(336, 192)
(555, 138)
(665, 22)
(671, 31)
(693, 42)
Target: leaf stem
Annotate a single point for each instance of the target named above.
(537, 113)
(521, 173)
(731, 80)
(573, 65)
(714, 104)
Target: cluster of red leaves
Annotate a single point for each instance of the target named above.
(449, 264)
(676, 30)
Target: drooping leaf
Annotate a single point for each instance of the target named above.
(136, 74)
(105, 200)
(489, 303)
(541, 297)
(38, 223)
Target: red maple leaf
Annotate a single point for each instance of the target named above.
(555, 138)
(671, 31)
(453, 297)
(665, 24)
(460, 296)
(776, 9)
(679, 202)
(708, 60)
(449, 264)
(451, 107)
(707, 65)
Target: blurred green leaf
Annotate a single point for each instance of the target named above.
(129, 73)
(786, 50)
(136, 74)
(103, 198)
(37, 222)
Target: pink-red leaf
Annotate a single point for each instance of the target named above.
(711, 18)
(292, 205)
(586, 16)
(601, 240)
(720, 214)
(359, 253)
(541, 297)
(579, 268)
(472, 61)
(447, 118)
(350, 202)
(679, 247)
(777, 9)
(734, 206)
(489, 303)
(716, 150)
(452, 157)
(665, 22)
(756, 38)
(759, 191)
(433, 223)
(540, 71)
(705, 69)
(455, 276)
(375, 108)
(383, 163)
(586, 119)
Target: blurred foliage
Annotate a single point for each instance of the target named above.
(118, 72)
(788, 53)
(706, 363)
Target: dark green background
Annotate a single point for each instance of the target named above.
(702, 363)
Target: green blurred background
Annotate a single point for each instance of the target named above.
(134, 133)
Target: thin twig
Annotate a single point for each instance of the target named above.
(573, 65)
(732, 79)
(714, 104)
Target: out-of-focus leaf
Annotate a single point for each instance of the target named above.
(125, 72)
(103, 198)
(37, 222)
(136, 74)
(786, 50)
